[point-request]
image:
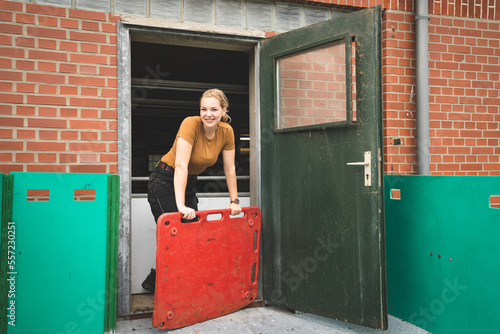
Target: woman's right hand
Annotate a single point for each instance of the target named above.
(187, 213)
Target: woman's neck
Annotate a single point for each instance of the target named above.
(210, 132)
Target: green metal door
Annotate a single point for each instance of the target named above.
(321, 146)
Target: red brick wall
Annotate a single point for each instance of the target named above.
(58, 95)
(464, 63)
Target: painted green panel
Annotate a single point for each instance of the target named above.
(442, 252)
(323, 233)
(61, 251)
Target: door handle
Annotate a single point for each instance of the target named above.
(368, 167)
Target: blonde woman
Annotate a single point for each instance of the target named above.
(199, 141)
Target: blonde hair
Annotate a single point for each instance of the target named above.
(221, 97)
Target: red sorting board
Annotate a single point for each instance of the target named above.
(205, 269)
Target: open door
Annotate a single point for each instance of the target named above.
(321, 143)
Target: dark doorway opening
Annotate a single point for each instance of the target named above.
(167, 82)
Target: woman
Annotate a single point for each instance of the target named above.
(199, 141)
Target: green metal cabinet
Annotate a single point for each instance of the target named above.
(59, 253)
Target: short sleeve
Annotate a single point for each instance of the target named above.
(187, 130)
(229, 144)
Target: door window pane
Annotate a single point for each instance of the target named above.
(312, 86)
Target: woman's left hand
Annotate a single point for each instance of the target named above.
(235, 209)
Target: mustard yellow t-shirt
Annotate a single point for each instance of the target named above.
(205, 151)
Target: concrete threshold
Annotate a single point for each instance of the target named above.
(267, 320)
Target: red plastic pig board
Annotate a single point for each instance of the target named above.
(205, 269)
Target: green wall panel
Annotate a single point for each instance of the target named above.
(65, 253)
(442, 244)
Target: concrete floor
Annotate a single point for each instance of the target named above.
(266, 320)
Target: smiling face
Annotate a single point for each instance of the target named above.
(211, 112)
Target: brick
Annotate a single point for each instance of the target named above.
(47, 21)
(88, 158)
(47, 111)
(110, 136)
(85, 69)
(5, 109)
(11, 98)
(46, 146)
(89, 136)
(25, 65)
(25, 157)
(5, 40)
(47, 157)
(68, 90)
(10, 145)
(45, 10)
(5, 63)
(5, 157)
(47, 44)
(47, 123)
(88, 37)
(68, 46)
(87, 147)
(68, 112)
(9, 28)
(87, 102)
(491, 101)
(89, 59)
(470, 32)
(87, 15)
(87, 168)
(6, 133)
(67, 68)
(108, 49)
(108, 158)
(25, 88)
(111, 82)
(108, 71)
(87, 124)
(47, 66)
(89, 48)
(46, 100)
(52, 168)
(47, 55)
(46, 78)
(46, 32)
(69, 135)
(67, 158)
(11, 52)
(69, 23)
(89, 113)
(11, 5)
(491, 133)
(25, 41)
(6, 86)
(90, 25)
(25, 110)
(108, 27)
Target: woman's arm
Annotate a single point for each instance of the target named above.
(230, 172)
(182, 157)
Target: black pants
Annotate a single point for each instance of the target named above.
(161, 195)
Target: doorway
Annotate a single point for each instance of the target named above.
(167, 78)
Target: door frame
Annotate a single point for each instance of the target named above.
(193, 35)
